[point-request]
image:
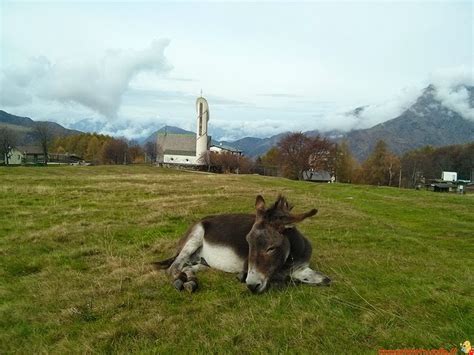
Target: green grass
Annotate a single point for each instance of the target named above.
(76, 245)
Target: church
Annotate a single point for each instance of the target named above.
(187, 149)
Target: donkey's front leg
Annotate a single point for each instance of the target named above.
(191, 283)
(242, 276)
(193, 243)
(307, 275)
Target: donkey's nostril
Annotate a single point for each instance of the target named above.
(254, 287)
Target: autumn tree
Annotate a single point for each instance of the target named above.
(89, 146)
(298, 152)
(229, 163)
(93, 150)
(269, 163)
(271, 157)
(136, 153)
(8, 141)
(381, 167)
(345, 163)
(44, 135)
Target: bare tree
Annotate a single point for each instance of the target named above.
(44, 135)
(8, 141)
(115, 151)
(151, 150)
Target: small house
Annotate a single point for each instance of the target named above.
(15, 157)
(32, 154)
(221, 148)
(317, 176)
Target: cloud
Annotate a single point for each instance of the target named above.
(348, 118)
(98, 85)
(217, 100)
(281, 95)
(451, 89)
(232, 130)
(16, 81)
(452, 76)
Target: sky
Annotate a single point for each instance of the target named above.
(128, 68)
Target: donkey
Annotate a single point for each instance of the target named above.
(260, 248)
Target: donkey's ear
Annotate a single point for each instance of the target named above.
(295, 218)
(260, 203)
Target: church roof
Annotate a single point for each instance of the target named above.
(177, 144)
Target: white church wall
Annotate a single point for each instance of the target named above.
(180, 159)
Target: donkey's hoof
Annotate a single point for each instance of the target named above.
(190, 286)
(178, 284)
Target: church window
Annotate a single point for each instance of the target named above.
(200, 118)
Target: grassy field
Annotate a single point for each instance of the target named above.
(76, 245)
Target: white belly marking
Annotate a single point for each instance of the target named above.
(221, 257)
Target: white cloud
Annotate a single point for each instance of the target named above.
(452, 76)
(348, 118)
(451, 91)
(233, 130)
(98, 85)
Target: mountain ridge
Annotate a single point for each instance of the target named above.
(24, 127)
(426, 122)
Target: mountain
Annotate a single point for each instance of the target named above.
(24, 127)
(166, 129)
(254, 147)
(89, 125)
(427, 122)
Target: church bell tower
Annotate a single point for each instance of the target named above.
(202, 109)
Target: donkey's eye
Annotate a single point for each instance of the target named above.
(271, 250)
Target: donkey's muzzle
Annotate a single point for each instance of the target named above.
(254, 288)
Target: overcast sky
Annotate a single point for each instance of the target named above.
(264, 67)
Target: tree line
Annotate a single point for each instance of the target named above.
(92, 147)
(103, 149)
(291, 157)
(296, 153)
(227, 162)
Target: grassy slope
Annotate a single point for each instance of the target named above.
(76, 243)
(16, 128)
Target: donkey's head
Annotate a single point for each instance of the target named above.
(268, 247)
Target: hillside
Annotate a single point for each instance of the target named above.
(77, 244)
(254, 147)
(426, 122)
(24, 127)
